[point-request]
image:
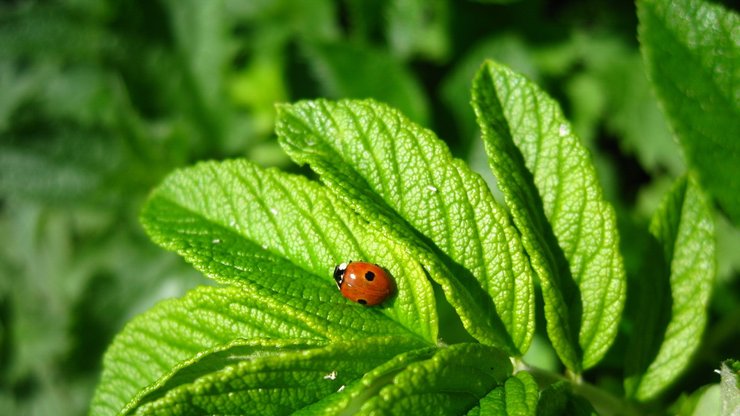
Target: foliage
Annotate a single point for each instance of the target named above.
(542, 266)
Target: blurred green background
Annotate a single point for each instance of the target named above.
(99, 99)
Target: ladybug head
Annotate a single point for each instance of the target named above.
(339, 274)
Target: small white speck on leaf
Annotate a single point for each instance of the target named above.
(331, 376)
(341, 388)
(432, 188)
(274, 211)
(564, 130)
(216, 241)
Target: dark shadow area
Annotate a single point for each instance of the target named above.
(92, 326)
(648, 308)
(468, 280)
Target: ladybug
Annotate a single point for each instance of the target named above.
(365, 283)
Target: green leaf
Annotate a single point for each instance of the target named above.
(215, 360)
(568, 229)
(684, 230)
(261, 377)
(152, 344)
(703, 401)
(351, 397)
(432, 381)
(692, 52)
(281, 236)
(405, 183)
(517, 397)
(154, 348)
(276, 238)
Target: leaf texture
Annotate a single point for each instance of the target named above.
(434, 381)
(272, 379)
(280, 234)
(405, 182)
(684, 229)
(567, 227)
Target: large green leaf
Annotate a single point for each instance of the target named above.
(174, 335)
(152, 344)
(404, 181)
(567, 227)
(433, 381)
(282, 234)
(692, 52)
(673, 314)
(276, 238)
(263, 377)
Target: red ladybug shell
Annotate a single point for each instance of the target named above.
(365, 283)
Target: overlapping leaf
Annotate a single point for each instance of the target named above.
(429, 381)
(404, 180)
(154, 343)
(261, 377)
(684, 230)
(567, 227)
(172, 334)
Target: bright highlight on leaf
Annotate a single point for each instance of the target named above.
(405, 182)
(567, 227)
(684, 230)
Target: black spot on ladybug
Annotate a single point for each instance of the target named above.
(364, 283)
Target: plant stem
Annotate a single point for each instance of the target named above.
(604, 402)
